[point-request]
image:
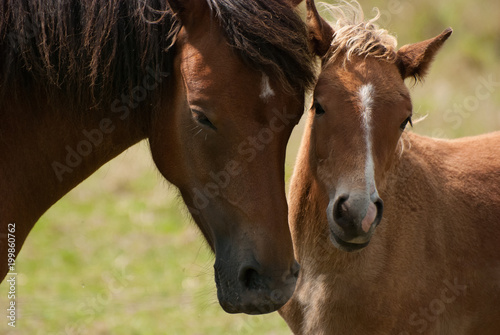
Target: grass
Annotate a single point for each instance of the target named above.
(118, 254)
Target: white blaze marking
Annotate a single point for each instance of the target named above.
(266, 90)
(366, 93)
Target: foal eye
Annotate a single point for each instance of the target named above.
(203, 119)
(318, 108)
(405, 123)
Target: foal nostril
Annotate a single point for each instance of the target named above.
(380, 210)
(251, 278)
(340, 209)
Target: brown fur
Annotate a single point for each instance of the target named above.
(67, 66)
(432, 266)
(441, 224)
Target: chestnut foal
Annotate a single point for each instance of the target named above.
(433, 264)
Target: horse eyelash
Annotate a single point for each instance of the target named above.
(194, 128)
(199, 131)
(202, 119)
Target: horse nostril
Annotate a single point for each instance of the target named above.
(251, 278)
(295, 269)
(340, 210)
(380, 210)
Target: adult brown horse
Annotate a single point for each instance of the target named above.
(216, 86)
(428, 257)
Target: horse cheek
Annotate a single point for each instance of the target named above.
(247, 151)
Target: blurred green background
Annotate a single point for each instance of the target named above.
(119, 255)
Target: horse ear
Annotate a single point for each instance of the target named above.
(320, 32)
(413, 60)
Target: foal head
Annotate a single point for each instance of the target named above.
(361, 108)
(236, 92)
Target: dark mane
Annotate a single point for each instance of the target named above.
(99, 49)
(270, 36)
(87, 48)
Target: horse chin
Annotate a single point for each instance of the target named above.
(251, 308)
(342, 245)
(254, 302)
(251, 292)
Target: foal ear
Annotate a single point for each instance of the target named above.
(320, 32)
(413, 60)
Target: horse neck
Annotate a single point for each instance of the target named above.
(415, 165)
(419, 203)
(49, 147)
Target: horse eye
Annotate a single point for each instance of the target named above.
(203, 119)
(318, 108)
(405, 123)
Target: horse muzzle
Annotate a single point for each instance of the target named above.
(352, 219)
(252, 290)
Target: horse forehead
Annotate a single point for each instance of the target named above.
(381, 77)
(366, 94)
(218, 69)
